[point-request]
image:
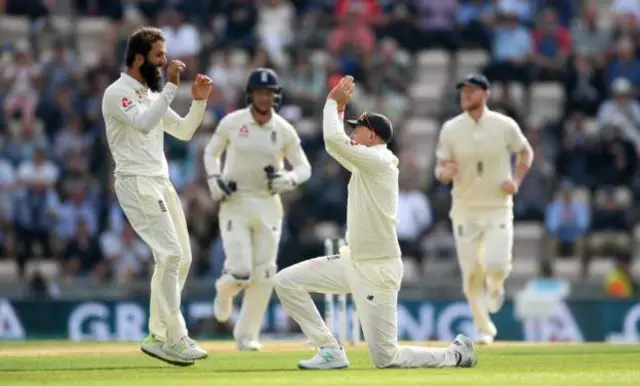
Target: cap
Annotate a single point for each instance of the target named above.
(377, 123)
(478, 80)
(621, 86)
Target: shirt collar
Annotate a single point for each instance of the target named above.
(267, 124)
(133, 82)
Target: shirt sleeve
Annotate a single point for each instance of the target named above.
(183, 127)
(297, 158)
(216, 146)
(341, 148)
(516, 141)
(121, 104)
(443, 150)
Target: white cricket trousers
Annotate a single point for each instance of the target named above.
(250, 227)
(374, 285)
(484, 243)
(153, 209)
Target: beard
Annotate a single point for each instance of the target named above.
(152, 75)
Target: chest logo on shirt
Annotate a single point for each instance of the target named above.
(244, 131)
(126, 103)
(274, 137)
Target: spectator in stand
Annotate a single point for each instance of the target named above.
(524, 10)
(228, 78)
(619, 158)
(241, 18)
(83, 256)
(182, 41)
(353, 30)
(625, 64)
(26, 138)
(588, 38)
(566, 9)
(78, 207)
(437, 24)
(389, 81)
(35, 213)
(414, 218)
(536, 190)
(611, 230)
(578, 154)
(476, 19)
(400, 23)
(306, 84)
(622, 8)
(62, 69)
(584, 87)
(512, 51)
(552, 47)
(21, 79)
(127, 257)
(567, 222)
(70, 138)
(275, 28)
(622, 110)
(39, 168)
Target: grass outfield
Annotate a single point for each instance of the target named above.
(502, 364)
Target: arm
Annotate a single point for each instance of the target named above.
(214, 149)
(183, 128)
(519, 144)
(340, 147)
(444, 156)
(294, 153)
(122, 105)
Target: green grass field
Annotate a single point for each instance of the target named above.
(121, 364)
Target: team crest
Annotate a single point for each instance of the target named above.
(273, 137)
(244, 131)
(126, 103)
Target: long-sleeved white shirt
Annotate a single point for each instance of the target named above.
(136, 120)
(372, 202)
(251, 147)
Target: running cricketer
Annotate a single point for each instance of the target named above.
(474, 153)
(256, 140)
(370, 266)
(137, 114)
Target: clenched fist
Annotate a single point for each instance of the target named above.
(174, 70)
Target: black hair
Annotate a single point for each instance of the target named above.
(141, 41)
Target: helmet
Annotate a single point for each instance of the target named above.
(264, 78)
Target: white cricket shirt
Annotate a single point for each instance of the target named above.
(483, 151)
(136, 119)
(250, 147)
(372, 202)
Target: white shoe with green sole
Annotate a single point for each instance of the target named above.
(154, 348)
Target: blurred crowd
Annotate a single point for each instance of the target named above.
(56, 196)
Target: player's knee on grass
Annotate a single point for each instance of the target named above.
(382, 359)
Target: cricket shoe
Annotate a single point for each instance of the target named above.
(153, 347)
(222, 306)
(495, 300)
(248, 345)
(327, 358)
(186, 348)
(484, 338)
(464, 351)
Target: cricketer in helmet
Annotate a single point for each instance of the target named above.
(263, 91)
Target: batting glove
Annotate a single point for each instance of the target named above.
(282, 183)
(219, 188)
